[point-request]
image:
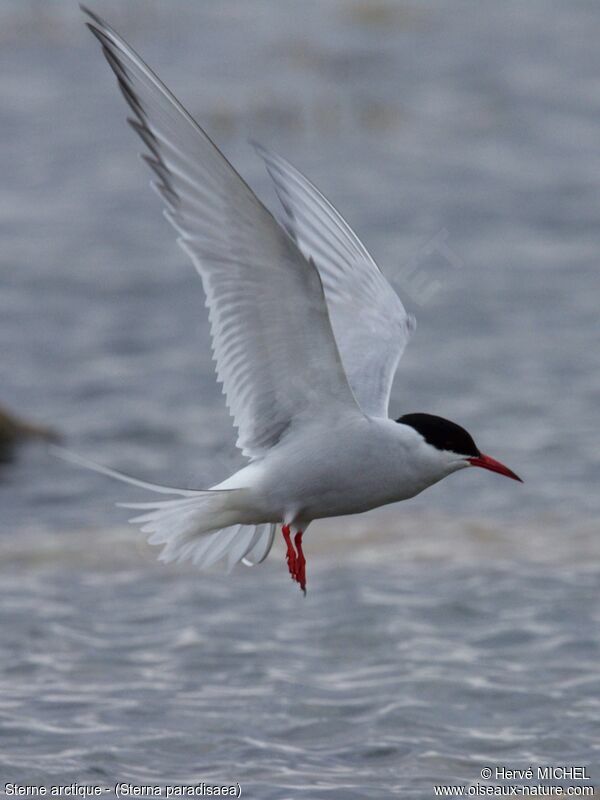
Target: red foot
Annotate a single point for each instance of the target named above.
(295, 560)
(301, 562)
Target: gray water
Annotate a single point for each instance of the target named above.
(457, 630)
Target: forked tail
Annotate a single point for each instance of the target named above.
(201, 526)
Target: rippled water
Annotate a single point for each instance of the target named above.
(392, 676)
(458, 630)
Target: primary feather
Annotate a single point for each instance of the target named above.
(370, 324)
(275, 351)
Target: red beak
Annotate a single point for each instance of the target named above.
(487, 462)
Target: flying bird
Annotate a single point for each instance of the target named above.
(307, 334)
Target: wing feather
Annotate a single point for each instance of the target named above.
(274, 348)
(370, 323)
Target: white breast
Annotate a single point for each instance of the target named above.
(352, 465)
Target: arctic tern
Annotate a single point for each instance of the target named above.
(307, 334)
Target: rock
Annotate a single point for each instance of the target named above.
(14, 430)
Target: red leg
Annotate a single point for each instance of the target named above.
(291, 553)
(301, 562)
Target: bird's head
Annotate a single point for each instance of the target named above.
(454, 444)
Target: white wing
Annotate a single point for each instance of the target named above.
(275, 351)
(370, 324)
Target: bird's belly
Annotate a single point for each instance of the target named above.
(331, 487)
(337, 498)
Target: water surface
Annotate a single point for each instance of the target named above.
(456, 631)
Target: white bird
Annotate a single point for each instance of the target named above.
(307, 334)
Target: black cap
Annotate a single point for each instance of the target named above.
(442, 434)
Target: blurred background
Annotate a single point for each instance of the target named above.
(461, 142)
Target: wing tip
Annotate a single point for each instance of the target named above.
(272, 160)
(259, 148)
(88, 12)
(94, 22)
